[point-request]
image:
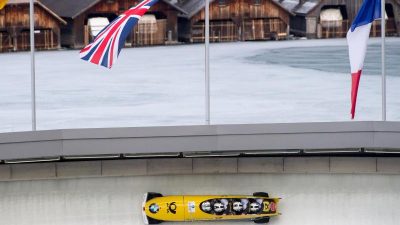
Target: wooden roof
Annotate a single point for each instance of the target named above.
(299, 7)
(192, 7)
(69, 8)
(74, 8)
(18, 2)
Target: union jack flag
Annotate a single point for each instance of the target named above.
(107, 45)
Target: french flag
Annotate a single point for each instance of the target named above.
(357, 38)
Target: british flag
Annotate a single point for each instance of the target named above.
(107, 45)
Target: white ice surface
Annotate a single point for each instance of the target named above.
(307, 199)
(165, 86)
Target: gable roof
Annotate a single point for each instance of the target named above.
(289, 5)
(73, 8)
(192, 6)
(55, 15)
(299, 7)
(307, 7)
(69, 8)
(174, 4)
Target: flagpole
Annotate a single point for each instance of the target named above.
(32, 43)
(383, 66)
(207, 62)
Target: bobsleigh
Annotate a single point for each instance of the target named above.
(258, 208)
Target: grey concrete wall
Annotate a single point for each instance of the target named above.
(260, 165)
(79, 169)
(388, 165)
(131, 167)
(353, 165)
(169, 166)
(182, 166)
(5, 172)
(247, 137)
(307, 165)
(33, 171)
(307, 199)
(215, 165)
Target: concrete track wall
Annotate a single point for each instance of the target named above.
(201, 138)
(188, 166)
(312, 199)
(315, 190)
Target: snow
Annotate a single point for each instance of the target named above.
(288, 4)
(307, 7)
(251, 82)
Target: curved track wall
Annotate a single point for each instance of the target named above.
(312, 199)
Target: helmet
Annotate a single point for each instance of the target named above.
(237, 206)
(254, 207)
(219, 207)
(206, 206)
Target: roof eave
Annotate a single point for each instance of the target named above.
(281, 6)
(85, 9)
(52, 13)
(44, 7)
(175, 7)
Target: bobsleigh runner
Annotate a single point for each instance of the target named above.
(257, 208)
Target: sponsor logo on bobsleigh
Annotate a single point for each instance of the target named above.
(171, 207)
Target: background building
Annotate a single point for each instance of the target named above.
(332, 18)
(73, 24)
(14, 27)
(234, 20)
(158, 26)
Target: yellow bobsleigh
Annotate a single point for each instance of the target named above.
(258, 208)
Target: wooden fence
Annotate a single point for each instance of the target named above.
(44, 39)
(220, 31)
(20, 41)
(150, 33)
(5, 42)
(264, 28)
(338, 29)
(143, 34)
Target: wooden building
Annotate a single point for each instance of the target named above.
(234, 20)
(333, 18)
(159, 26)
(15, 31)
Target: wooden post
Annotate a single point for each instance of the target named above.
(58, 38)
(151, 34)
(15, 42)
(86, 34)
(46, 41)
(253, 29)
(52, 38)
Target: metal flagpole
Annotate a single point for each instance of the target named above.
(207, 61)
(32, 42)
(383, 30)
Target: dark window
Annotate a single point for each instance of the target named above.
(389, 10)
(257, 2)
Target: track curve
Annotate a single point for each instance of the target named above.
(320, 199)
